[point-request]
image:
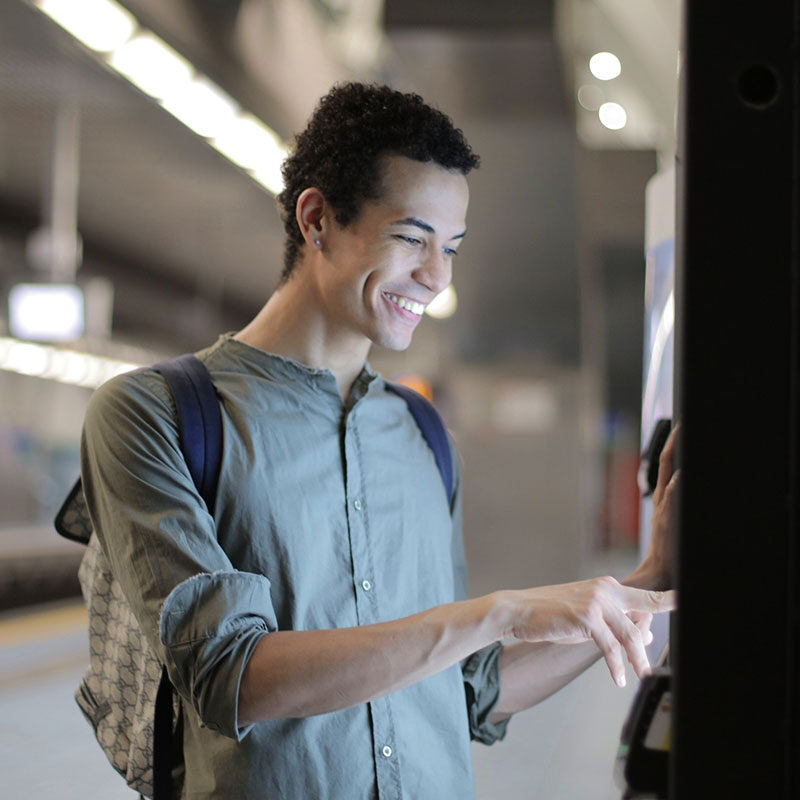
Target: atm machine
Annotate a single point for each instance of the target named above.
(734, 697)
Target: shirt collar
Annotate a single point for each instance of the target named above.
(278, 367)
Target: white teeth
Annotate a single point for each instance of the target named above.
(409, 305)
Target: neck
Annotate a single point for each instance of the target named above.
(293, 324)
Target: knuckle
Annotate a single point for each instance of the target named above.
(656, 597)
(604, 583)
(632, 637)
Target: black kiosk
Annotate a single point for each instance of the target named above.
(735, 640)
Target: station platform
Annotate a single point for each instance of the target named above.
(47, 749)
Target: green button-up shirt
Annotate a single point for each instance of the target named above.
(327, 516)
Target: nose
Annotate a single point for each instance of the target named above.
(435, 272)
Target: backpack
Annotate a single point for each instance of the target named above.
(125, 693)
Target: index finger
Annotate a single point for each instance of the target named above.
(650, 600)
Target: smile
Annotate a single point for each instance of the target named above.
(405, 303)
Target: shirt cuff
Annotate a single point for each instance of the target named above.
(210, 625)
(481, 673)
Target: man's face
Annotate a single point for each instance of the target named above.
(384, 268)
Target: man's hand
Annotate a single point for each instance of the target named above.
(616, 617)
(655, 571)
(661, 549)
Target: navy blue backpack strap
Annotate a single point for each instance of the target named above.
(200, 432)
(433, 430)
(199, 420)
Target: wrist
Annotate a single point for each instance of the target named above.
(501, 614)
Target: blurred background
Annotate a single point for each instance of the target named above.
(139, 150)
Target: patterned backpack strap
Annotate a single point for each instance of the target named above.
(433, 430)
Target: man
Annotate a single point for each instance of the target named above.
(316, 628)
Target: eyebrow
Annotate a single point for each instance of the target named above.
(419, 223)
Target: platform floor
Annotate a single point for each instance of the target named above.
(562, 750)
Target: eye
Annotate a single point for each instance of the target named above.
(412, 240)
(450, 252)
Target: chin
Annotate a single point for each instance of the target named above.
(395, 343)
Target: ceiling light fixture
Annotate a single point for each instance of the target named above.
(64, 366)
(102, 25)
(147, 62)
(254, 147)
(604, 66)
(613, 116)
(166, 76)
(203, 107)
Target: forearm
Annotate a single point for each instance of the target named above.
(532, 671)
(302, 673)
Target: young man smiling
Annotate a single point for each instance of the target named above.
(367, 282)
(316, 628)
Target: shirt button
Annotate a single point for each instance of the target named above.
(387, 751)
(357, 505)
(366, 585)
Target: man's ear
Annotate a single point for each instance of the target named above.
(311, 214)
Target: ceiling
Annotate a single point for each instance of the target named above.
(158, 207)
(193, 245)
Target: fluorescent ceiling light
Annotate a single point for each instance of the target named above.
(270, 177)
(46, 311)
(254, 147)
(604, 66)
(444, 304)
(102, 25)
(613, 116)
(202, 106)
(248, 142)
(165, 75)
(152, 66)
(65, 366)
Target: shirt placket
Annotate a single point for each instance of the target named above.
(368, 596)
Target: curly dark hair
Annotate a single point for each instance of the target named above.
(339, 151)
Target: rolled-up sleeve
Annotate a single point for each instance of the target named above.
(481, 670)
(482, 685)
(210, 626)
(201, 617)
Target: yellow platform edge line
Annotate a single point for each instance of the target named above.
(39, 624)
